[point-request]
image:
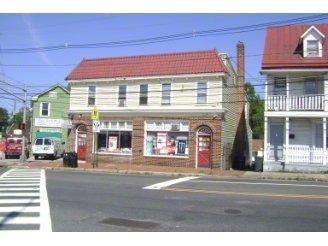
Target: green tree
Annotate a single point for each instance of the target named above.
(256, 111)
(18, 117)
(4, 118)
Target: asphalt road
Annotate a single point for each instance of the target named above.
(81, 201)
(92, 202)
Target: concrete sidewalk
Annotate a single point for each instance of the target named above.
(172, 171)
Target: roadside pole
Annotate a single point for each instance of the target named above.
(95, 129)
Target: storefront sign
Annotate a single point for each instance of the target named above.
(48, 122)
(49, 130)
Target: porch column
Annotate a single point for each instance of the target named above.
(324, 141)
(325, 84)
(287, 92)
(265, 150)
(287, 139)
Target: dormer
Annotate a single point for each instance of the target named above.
(312, 41)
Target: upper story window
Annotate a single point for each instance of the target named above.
(280, 85)
(166, 94)
(45, 109)
(201, 92)
(312, 48)
(311, 87)
(143, 97)
(122, 92)
(92, 95)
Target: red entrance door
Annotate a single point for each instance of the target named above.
(204, 151)
(81, 145)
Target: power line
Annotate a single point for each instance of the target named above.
(172, 37)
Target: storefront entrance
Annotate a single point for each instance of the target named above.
(81, 133)
(204, 144)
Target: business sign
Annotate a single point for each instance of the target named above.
(45, 122)
(49, 130)
(67, 124)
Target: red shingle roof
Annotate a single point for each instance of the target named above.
(149, 65)
(281, 44)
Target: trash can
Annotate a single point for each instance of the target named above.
(70, 159)
(240, 162)
(258, 164)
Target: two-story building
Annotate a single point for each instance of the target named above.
(295, 62)
(176, 109)
(48, 117)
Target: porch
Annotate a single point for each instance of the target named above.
(297, 141)
(293, 102)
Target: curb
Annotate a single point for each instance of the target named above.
(123, 171)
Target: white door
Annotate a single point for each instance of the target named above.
(276, 141)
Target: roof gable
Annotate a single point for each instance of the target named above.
(310, 29)
(197, 62)
(35, 97)
(283, 49)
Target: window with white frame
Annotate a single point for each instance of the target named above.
(143, 97)
(280, 84)
(166, 138)
(115, 137)
(92, 95)
(166, 94)
(311, 87)
(312, 47)
(45, 109)
(201, 92)
(122, 92)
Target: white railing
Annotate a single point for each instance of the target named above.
(301, 154)
(302, 102)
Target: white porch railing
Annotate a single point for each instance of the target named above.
(301, 154)
(302, 102)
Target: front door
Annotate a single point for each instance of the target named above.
(82, 145)
(204, 151)
(276, 141)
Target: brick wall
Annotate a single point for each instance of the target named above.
(138, 142)
(240, 135)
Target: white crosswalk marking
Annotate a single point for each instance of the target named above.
(24, 204)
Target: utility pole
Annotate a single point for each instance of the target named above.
(23, 155)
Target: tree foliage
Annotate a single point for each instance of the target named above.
(256, 111)
(4, 118)
(18, 117)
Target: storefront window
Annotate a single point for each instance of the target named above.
(118, 141)
(171, 139)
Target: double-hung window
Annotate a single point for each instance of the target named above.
(45, 109)
(143, 99)
(92, 95)
(166, 94)
(201, 92)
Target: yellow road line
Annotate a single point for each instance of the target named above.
(247, 193)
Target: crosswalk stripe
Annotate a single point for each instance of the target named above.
(23, 201)
(36, 194)
(19, 209)
(20, 220)
(19, 189)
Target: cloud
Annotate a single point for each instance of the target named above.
(33, 31)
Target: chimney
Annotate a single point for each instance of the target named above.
(240, 90)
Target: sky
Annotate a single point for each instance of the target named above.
(34, 28)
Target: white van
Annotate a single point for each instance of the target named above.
(48, 147)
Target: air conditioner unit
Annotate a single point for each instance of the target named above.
(121, 103)
(175, 128)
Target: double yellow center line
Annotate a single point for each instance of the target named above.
(247, 193)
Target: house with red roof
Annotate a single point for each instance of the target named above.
(295, 63)
(174, 109)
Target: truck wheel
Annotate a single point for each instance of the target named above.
(6, 156)
(36, 157)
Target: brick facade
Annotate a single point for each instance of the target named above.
(138, 134)
(240, 134)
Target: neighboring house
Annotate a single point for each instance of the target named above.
(295, 62)
(48, 118)
(176, 109)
